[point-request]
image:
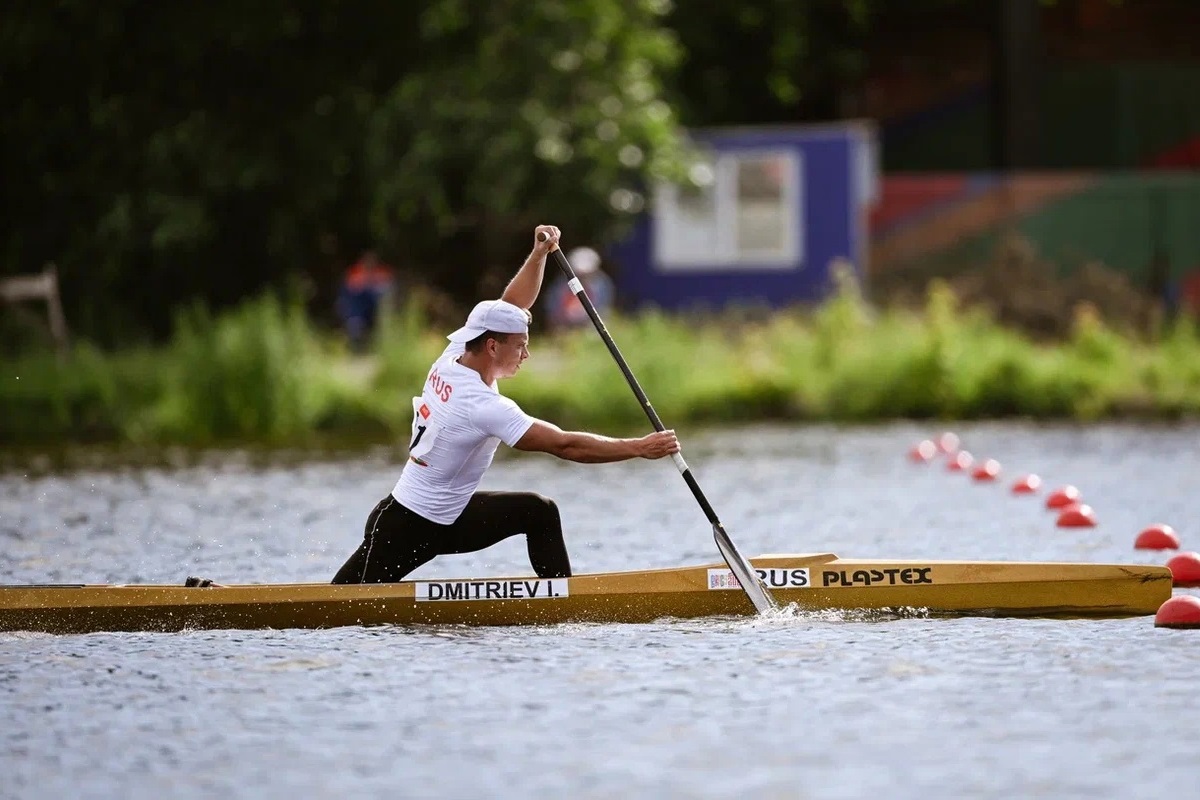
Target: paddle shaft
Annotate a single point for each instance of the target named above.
(741, 568)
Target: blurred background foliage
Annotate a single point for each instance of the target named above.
(164, 153)
(202, 175)
(259, 374)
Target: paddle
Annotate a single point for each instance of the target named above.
(741, 568)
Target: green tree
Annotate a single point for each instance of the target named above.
(165, 152)
(765, 61)
(523, 112)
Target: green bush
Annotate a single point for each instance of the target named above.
(253, 373)
(261, 373)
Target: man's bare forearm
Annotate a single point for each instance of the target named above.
(525, 286)
(591, 448)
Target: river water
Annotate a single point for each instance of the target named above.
(800, 706)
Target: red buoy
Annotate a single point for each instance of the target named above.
(987, 471)
(960, 461)
(1185, 570)
(922, 451)
(1062, 497)
(1077, 515)
(947, 442)
(1181, 611)
(1027, 484)
(1157, 537)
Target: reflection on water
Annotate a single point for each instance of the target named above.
(799, 704)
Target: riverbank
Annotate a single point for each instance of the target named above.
(263, 376)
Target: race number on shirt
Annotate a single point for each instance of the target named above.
(424, 431)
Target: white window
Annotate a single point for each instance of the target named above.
(747, 214)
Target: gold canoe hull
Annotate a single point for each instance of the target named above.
(811, 582)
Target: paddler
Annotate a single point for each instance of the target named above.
(459, 420)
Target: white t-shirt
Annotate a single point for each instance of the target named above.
(458, 422)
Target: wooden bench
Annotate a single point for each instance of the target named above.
(42, 287)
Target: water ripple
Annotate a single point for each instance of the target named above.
(793, 705)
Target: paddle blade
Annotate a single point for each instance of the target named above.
(747, 577)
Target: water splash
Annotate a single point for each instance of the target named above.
(795, 613)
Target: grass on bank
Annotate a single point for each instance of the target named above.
(262, 373)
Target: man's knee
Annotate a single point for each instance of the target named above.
(544, 507)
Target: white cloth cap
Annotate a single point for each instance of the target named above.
(492, 315)
(584, 260)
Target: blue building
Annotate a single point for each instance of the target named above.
(777, 208)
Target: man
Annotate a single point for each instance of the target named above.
(565, 309)
(458, 421)
(363, 289)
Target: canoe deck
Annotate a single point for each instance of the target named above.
(810, 581)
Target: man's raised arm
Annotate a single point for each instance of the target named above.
(523, 289)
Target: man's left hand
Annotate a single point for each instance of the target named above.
(552, 235)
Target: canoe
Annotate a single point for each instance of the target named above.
(811, 582)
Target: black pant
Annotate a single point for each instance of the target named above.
(397, 540)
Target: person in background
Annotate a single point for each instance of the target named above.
(565, 310)
(365, 285)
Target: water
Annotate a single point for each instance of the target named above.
(822, 705)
